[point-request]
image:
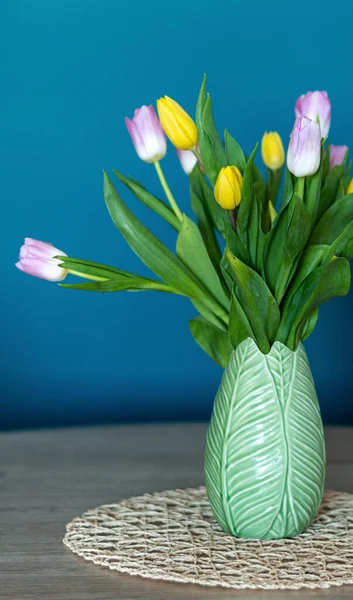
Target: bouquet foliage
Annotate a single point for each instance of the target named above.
(250, 269)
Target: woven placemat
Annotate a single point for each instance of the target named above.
(173, 536)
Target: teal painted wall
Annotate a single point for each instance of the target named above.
(70, 72)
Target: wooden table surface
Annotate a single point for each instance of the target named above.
(49, 477)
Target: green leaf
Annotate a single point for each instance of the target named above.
(326, 165)
(211, 148)
(294, 243)
(257, 175)
(333, 222)
(256, 236)
(310, 260)
(324, 283)
(346, 177)
(234, 154)
(284, 243)
(346, 249)
(191, 250)
(312, 200)
(239, 327)
(155, 255)
(132, 284)
(218, 320)
(341, 191)
(200, 187)
(274, 241)
(215, 158)
(205, 226)
(260, 190)
(151, 201)
(257, 302)
(274, 179)
(247, 196)
(260, 252)
(227, 276)
(330, 188)
(287, 189)
(235, 244)
(341, 245)
(265, 451)
(310, 324)
(213, 341)
(91, 268)
(200, 105)
(205, 223)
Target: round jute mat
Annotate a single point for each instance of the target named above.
(173, 536)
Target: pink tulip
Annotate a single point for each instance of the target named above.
(147, 134)
(337, 154)
(36, 258)
(187, 160)
(316, 106)
(304, 150)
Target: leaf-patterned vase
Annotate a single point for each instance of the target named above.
(265, 450)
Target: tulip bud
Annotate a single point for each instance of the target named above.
(272, 151)
(36, 258)
(316, 106)
(350, 187)
(187, 160)
(337, 154)
(272, 211)
(177, 124)
(304, 150)
(147, 134)
(227, 191)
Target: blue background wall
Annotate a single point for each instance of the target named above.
(70, 71)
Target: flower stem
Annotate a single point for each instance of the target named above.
(167, 191)
(273, 183)
(299, 188)
(85, 276)
(233, 219)
(197, 154)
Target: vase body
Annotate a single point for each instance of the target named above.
(265, 450)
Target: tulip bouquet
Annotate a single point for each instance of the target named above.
(257, 274)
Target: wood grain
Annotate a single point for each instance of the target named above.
(48, 477)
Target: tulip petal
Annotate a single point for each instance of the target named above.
(272, 150)
(19, 266)
(227, 191)
(187, 160)
(147, 134)
(33, 242)
(40, 249)
(337, 155)
(43, 269)
(36, 258)
(316, 106)
(304, 150)
(136, 138)
(177, 124)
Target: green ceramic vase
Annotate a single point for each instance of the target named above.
(265, 450)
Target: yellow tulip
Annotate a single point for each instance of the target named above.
(350, 187)
(227, 191)
(177, 124)
(272, 150)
